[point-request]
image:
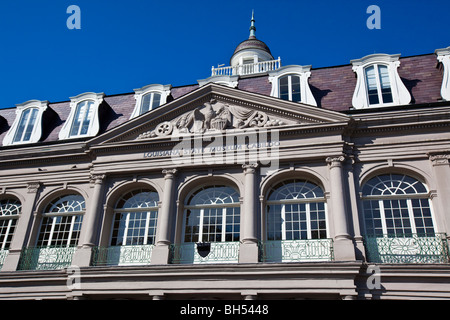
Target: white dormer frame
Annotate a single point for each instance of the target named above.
(94, 124)
(400, 94)
(163, 90)
(36, 132)
(304, 72)
(231, 81)
(443, 56)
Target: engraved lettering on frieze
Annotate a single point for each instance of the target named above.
(213, 116)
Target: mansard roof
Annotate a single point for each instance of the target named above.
(332, 87)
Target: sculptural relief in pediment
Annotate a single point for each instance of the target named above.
(214, 116)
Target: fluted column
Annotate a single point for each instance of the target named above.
(88, 237)
(22, 228)
(248, 251)
(343, 245)
(160, 254)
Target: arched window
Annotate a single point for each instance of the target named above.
(212, 214)
(82, 118)
(61, 222)
(135, 218)
(378, 85)
(10, 209)
(397, 205)
(295, 210)
(150, 101)
(26, 125)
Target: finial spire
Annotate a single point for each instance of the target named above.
(252, 27)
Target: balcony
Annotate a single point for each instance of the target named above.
(122, 255)
(217, 252)
(46, 258)
(246, 69)
(412, 248)
(297, 250)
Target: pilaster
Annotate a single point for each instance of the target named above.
(21, 231)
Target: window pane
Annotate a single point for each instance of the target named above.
(274, 222)
(295, 81)
(372, 85)
(156, 100)
(82, 118)
(77, 119)
(422, 217)
(145, 104)
(397, 217)
(22, 123)
(284, 88)
(87, 117)
(192, 224)
(385, 84)
(30, 126)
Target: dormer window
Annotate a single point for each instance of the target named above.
(27, 127)
(378, 82)
(150, 97)
(291, 83)
(83, 120)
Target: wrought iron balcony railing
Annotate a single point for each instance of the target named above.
(218, 252)
(122, 255)
(3, 254)
(407, 248)
(297, 250)
(46, 258)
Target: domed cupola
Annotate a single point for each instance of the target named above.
(251, 50)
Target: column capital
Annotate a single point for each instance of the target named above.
(169, 173)
(440, 159)
(250, 168)
(33, 187)
(335, 161)
(97, 178)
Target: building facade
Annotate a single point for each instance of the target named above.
(262, 181)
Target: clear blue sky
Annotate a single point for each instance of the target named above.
(123, 45)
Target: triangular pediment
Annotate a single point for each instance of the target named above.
(216, 108)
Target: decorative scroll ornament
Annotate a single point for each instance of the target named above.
(212, 116)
